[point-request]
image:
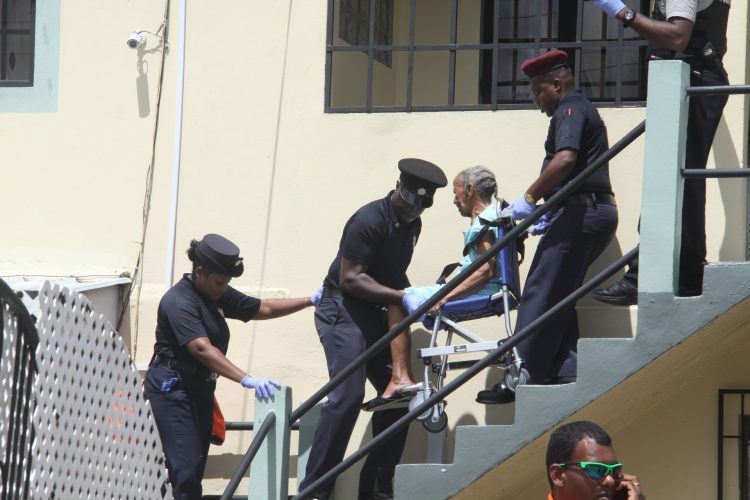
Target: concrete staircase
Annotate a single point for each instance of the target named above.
(670, 332)
(606, 367)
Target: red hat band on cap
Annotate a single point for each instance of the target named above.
(545, 63)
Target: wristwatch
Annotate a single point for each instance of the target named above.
(628, 18)
(529, 199)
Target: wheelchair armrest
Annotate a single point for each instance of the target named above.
(469, 304)
(447, 270)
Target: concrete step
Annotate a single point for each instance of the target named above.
(664, 321)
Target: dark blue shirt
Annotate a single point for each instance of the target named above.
(374, 237)
(576, 124)
(184, 315)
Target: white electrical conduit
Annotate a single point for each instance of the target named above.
(177, 149)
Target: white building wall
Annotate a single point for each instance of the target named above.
(263, 165)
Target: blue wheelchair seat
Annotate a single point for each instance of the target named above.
(477, 307)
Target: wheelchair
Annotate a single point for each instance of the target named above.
(435, 357)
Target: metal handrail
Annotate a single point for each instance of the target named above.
(248, 426)
(714, 173)
(247, 459)
(15, 470)
(718, 90)
(510, 236)
(504, 347)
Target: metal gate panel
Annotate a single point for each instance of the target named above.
(95, 434)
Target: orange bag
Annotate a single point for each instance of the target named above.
(219, 430)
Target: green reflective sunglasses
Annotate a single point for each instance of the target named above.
(596, 470)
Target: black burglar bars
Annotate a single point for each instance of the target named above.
(609, 66)
(18, 372)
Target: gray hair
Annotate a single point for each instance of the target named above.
(483, 180)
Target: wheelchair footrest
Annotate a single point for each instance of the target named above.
(454, 349)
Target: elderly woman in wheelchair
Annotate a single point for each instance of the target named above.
(491, 290)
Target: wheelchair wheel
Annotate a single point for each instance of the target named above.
(438, 424)
(417, 400)
(512, 381)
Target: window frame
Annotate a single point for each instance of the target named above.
(4, 32)
(42, 97)
(453, 47)
(743, 437)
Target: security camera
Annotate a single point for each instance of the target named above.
(136, 39)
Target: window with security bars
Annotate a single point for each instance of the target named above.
(425, 55)
(354, 25)
(17, 43)
(734, 444)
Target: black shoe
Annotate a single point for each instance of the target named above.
(498, 395)
(622, 293)
(689, 291)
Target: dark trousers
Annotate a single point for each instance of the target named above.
(704, 115)
(577, 235)
(184, 419)
(346, 330)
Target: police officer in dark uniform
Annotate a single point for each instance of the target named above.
(576, 232)
(192, 337)
(694, 31)
(368, 273)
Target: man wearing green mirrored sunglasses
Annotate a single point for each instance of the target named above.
(582, 465)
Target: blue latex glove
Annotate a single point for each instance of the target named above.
(540, 227)
(316, 296)
(610, 7)
(263, 386)
(411, 302)
(521, 208)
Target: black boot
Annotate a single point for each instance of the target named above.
(622, 293)
(499, 394)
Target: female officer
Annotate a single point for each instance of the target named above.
(192, 337)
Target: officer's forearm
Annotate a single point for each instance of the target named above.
(275, 308)
(213, 359)
(673, 34)
(366, 287)
(554, 174)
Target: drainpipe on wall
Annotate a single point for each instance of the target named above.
(177, 149)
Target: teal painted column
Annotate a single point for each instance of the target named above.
(664, 158)
(269, 472)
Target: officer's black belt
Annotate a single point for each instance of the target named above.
(333, 293)
(592, 198)
(186, 368)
